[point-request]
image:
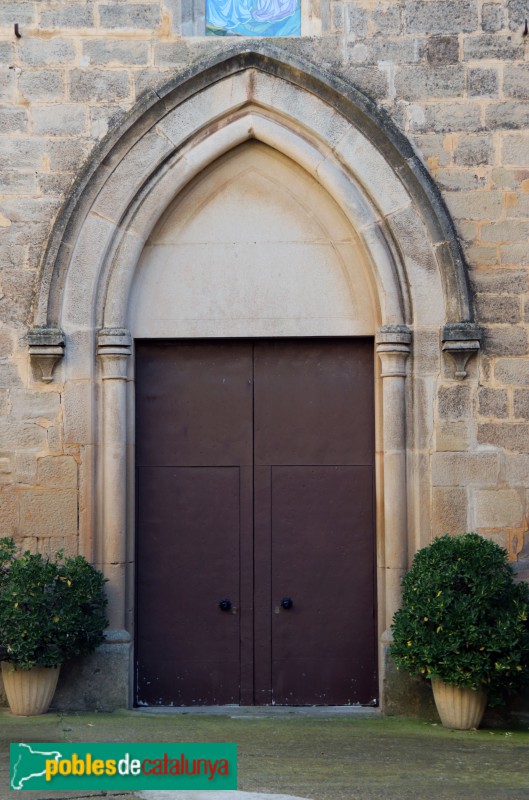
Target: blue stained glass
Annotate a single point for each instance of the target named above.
(253, 17)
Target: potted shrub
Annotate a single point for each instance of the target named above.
(50, 610)
(464, 626)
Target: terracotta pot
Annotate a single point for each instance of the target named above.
(29, 691)
(458, 707)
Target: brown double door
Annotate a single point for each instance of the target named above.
(255, 523)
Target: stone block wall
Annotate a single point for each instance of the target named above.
(453, 75)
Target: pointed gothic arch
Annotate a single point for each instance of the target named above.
(169, 138)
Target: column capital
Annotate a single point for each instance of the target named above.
(393, 346)
(114, 346)
(46, 348)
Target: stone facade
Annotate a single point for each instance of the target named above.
(451, 77)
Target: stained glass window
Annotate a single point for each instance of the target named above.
(253, 17)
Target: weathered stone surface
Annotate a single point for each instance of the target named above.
(453, 436)
(463, 178)
(514, 254)
(337, 17)
(451, 16)
(8, 85)
(13, 182)
(442, 50)
(492, 46)
(103, 118)
(449, 510)
(26, 467)
(445, 117)
(99, 85)
(475, 205)
(512, 436)
(22, 10)
(77, 428)
(505, 231)
(508, 115)
(492, 402)
(515, 149)
(517, 470)
(521, 403)
(66, 155)
(498, 308)
(46, 513)
(386, 20)
(496, 508)
(21, 434)
(454, 402)
(98, 682)
(414, 83)
(357, 19)
(516, 81)
(13, 120)
(41, 52)
(370, 80)
(18, 288)
(28, 151)
(35, 405)
(491, 17)
(512, 370)
(71, 15)
(102, 51)
(67, 119)
(6, 52)
(517, 13)
(483, 82)
(464, 469)
(9, 512)
(500, 281)
(144, 16)
(473, 150)
(505, 340)
(398, 51)
(57, 472)
(54, 433)
(518, 204)
(42, 85)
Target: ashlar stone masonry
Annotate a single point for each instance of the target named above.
(451, 77)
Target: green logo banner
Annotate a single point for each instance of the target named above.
(125, 766)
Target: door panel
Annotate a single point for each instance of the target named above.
(322, 556)
(255, 482)
(188, 559)
(314, 402)
(194, 404)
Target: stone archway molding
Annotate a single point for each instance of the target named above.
(368, 167)
(343, 101)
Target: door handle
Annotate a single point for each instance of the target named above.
(287, 603)
(225, 604)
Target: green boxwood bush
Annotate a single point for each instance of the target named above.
(50, 610)
(463, 618)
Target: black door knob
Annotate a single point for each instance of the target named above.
(225, 604)
(287, 602)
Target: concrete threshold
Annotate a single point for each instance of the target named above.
(256, 712)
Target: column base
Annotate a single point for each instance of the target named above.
(99, 682)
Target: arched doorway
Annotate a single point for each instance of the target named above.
(255, 444)
(408, 255)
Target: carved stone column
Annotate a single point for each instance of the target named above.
(114, 346)
(393, 348)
